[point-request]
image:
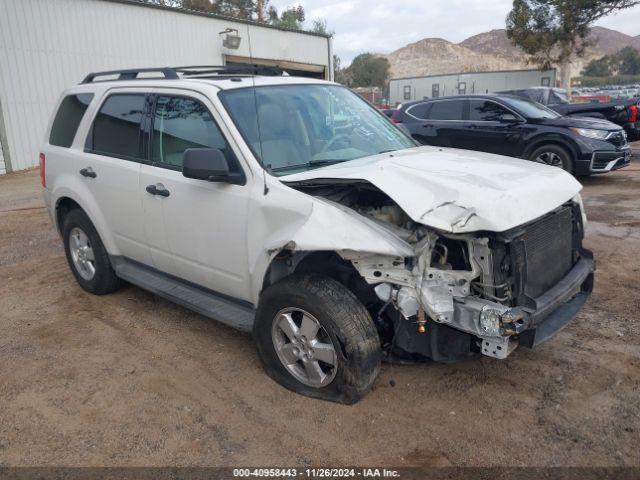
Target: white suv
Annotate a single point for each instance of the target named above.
(292, 208)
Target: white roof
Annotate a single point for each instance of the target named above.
(225, 82)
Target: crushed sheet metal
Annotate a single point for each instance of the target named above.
(434, 186)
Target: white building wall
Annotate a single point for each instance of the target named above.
(476, 82)
(47, 46)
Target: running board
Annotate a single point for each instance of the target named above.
(236, 314)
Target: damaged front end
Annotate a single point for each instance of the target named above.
(458, 294)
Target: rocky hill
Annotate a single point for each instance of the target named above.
(488, 51)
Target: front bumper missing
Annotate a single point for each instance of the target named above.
(531, 326)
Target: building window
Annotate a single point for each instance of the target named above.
(407, 92)
(462, 88)
(435, 90)
(545, 82)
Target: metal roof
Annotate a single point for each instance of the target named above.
(187, 11)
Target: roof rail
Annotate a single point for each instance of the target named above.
(132, 74)
(170, 73)
(248, 69)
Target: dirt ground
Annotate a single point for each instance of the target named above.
(131, 379)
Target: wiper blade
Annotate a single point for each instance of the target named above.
(325, 162)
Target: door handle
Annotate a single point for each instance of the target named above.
(158, 189)
(88, 172)
(470, 125)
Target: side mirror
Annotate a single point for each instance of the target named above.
(208, 164)
(509, 118)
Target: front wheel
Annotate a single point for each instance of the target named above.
(554, 156)
(315, 338)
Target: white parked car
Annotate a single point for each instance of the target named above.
(292, 208)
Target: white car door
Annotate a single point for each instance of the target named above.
(202, 237)
(110, 168)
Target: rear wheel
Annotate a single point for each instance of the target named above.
(315, 338)
(86, 255)
(554, 156)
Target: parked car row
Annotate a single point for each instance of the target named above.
(292, 208)
(517, 127)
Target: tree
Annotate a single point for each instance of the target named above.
(319, 25)
(553, 31)
(629, 61)
(368, 70)
(599, 67)
(623, 62)
(244, 9)
(292, 17)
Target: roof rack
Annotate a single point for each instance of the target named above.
(171, 73)
(132, 74)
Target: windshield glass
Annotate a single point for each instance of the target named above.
(530, 109)
(293, 128)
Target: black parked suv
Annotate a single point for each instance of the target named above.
(517, 127)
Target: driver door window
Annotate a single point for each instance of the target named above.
(181, 123)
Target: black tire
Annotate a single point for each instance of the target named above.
(104, 279)
(343, 318)
(549, 151)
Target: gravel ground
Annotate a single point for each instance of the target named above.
(131, 379)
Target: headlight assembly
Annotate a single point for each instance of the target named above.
(590, 133)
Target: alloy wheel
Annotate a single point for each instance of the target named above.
(304, 347)
(550, 158)
(82, 253)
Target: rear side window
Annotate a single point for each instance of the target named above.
(420, 110)
(116, 129)
(486, 111)
(447, 110)
(68, 119)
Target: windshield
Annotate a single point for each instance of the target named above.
(293, 128)
(530, 109)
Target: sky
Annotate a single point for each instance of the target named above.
(382, 26)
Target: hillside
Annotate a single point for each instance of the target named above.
(488, 51)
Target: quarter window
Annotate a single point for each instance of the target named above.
(181, 123)
(68, 119)
(116, 129)
(447, 110)
(486, 111)
(419, 111)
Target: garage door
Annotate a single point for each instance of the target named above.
(295, 69)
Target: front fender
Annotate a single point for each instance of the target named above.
(286, 219)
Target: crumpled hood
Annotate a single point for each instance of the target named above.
(457, 190)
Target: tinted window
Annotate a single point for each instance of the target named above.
(486, 111)
(68, 118)
(447, 110)
(419, 111)
(116, 129)
(181, 123)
